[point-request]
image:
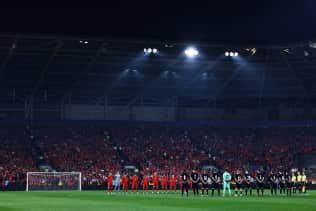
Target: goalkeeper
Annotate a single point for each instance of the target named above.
(226, 182)
(117, 181)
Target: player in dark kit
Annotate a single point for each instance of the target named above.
(185, 183)
(204, 179)
(239, 183)
(216, 180)
(259, 182)
(288, 179)
(248, 183)
(195, 178)
(273, 179)
(282, 182)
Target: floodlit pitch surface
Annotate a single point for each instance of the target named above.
(98, 200)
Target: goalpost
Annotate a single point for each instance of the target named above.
(46, 181)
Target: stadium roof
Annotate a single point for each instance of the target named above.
(230, 22)
(53, 69)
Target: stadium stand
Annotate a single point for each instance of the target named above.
(96, 151)
(15, 158)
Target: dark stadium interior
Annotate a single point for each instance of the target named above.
(89, 95)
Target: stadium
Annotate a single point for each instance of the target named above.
(99, 123)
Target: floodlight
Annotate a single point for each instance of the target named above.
(191, 52)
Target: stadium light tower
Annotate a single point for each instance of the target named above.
(191, 52)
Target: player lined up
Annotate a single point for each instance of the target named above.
(281, 183)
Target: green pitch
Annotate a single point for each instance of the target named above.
(97, 200)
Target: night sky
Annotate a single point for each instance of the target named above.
(237, 22)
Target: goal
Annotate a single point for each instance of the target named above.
(46, 181)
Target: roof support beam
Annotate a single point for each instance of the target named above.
(263, 75)
(81, 75)
(7, 59)
(35, 88)
(153, 42)
(296, 77)
(227, 82)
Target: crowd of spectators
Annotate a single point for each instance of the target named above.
(15, 159)
(83, 150)
(96, 151)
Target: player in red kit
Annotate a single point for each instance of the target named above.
(110, 183)
(164, 183)
(145, 183)
(135, 183)
(173, 183)
(125, 182)
(155, 181)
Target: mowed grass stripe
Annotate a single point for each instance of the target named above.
(99, 200)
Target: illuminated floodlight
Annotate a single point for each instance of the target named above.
(191, 52)
(150, 50)
(231, 54)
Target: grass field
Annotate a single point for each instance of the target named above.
(98, 200)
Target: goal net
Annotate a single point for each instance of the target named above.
(45, 181)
